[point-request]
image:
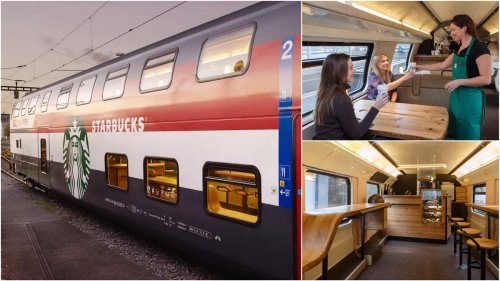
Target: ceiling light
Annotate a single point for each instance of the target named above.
(422, 166)
(380, 15)
(359, 7)
(368, 154)
(484, 157)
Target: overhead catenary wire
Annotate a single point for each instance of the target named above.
(109, 41)
(60, 41)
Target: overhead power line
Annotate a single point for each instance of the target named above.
(109, 41)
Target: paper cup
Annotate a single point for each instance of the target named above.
(382, 91)
(412, 67)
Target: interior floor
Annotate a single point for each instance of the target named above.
(418, 261)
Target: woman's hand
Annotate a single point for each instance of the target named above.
(408, 75)
(380, 102)
(452, 85)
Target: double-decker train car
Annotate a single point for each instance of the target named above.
(194, 139)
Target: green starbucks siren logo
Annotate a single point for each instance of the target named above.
(76, 158)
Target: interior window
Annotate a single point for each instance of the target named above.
(45, 101)
(326, 190)
(63, 98)
(32, 106)
(85, 91)
(225, 55)
(372, 189)
(400, 58)
(479, 197)
(232, 192)
(162, 179)
(117, 170)
(157, 73)
(313, 55)
(115, 84)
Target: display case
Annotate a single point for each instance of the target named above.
(433, 206)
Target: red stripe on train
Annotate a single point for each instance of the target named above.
(244, 102)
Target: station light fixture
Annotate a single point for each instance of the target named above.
(484, 157)
(367, 153)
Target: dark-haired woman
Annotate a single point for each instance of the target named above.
(471, 69)
(334, 115)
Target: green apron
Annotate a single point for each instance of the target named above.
(466, 103)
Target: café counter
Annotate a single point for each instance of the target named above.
(415, 218)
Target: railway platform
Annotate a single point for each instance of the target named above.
(38, 244)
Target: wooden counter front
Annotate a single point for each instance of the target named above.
(404, 218)
(320, 226)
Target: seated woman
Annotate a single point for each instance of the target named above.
(382, 75)
(334, 114)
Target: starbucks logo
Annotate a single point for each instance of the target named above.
(76, 159)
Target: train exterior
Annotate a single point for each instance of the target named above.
(194, 139)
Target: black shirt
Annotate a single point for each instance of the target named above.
(478, 49)
(453, 47)
(342, 123)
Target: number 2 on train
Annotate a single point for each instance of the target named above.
(288, 47)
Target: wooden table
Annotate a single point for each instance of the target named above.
(406, 121)
(319, 229)
(491, 210)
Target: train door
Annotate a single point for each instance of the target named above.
(43, 157)
(297, 148)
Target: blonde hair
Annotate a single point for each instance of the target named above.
(376, 59)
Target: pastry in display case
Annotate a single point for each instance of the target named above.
(432, 206)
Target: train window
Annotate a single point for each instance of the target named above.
(43, 156)
(15, 109)
(157, 73)
(63, 98)
(232, 191)
(400, 58)
(117, 170)
(24, 107)
(45, 101)
(313, 55)
(479, 197)
(32, 106)
(162, 179)
(115, 84)
(84, 94)
(225, 55)
(326, 190)
(371, 189)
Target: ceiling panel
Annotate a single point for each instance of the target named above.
(477, 10)
(450, 153)
(409, 12)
